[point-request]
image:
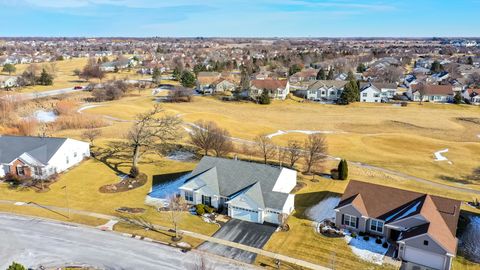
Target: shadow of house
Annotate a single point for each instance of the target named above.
(473, 178)
(165, 185)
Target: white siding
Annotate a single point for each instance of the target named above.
(69, 154)
(286, 181)
(426, 258)
(289, 205)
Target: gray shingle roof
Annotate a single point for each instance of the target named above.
(233, 176)
(40, 148)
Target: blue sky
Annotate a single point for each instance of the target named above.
(244, 18)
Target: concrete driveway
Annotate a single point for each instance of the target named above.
(242, 232)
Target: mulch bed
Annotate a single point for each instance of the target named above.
(125, 185)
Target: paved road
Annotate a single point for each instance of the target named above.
(43, 94)
(34, 242)
(242, 232)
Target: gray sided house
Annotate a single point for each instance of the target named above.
(323, 90)
(248, 191)
(422, 227)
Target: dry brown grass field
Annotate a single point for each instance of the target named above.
(64, 76)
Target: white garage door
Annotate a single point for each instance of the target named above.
(271, 217)
(244, 214)
(422, 257)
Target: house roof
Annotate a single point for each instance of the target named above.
(234, 177)
(206, 77)
(306, 73)
(433, 89)
(327, 83)
(392, 204)
(269, 84)
(40, 148)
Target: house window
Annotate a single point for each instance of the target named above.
(20, 170)
(376, 226)
(38, 171)
(364, 94)
(67, 160)
(350, 221)
(425, 242)
(74, 154)
(189, 196)
(323, 93)
(207, 200)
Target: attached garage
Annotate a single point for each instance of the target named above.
(271, 216)
(244, 214)
(425, 258)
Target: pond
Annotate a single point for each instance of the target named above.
(164, 186)
(45, 116)
(469, 239)
(323, 210)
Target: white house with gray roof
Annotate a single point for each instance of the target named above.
(246, 190)
(39, 157)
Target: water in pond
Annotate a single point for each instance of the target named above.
(323, 210)
(469, 244)
(164, 186)
(45, 116)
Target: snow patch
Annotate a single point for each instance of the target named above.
(181, 155)
(439, 157)
(45, 116)
(88, 107)
(367, 250)
(323, 210)
(307, 132)
(108, 226)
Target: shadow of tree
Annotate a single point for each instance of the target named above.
(473, 178)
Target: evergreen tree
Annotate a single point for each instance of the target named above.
(264, 98)
(187, 79)
(457, 99)
(361, 68)
(244, 80)
(469, 61)
(115, 69)
(350, 76)
(9, 68)
(436, 67)
(16, 266)
(176, 73)
(351, 93)
(321, 74)
(156, 75)
(45, 78)
(330, 74)
(294, 69)
(343, 170)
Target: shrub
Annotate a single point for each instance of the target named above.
(64, 107)
(366, 238)
(200, 209)
(385, 245)
(353, 235)
(16, 266)
(209, 209)
(134, 172)
(404, 104)
(334, 174)
(26, 127)
(361, 233)
(378, 241)
(78, 121)
(264, 98)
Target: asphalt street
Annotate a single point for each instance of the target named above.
(34, 242)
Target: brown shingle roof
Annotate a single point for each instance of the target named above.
(433, 89)
(387, 203)
(269, 84)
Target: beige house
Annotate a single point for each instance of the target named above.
(277, 89)
(422, 227)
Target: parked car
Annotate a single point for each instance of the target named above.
(78, 87)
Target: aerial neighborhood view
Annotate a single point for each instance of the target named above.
(289, 134)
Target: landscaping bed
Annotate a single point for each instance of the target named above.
(126, 184)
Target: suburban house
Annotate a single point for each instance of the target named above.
(370, 93)
(245, 190)
(304, 75)
(119, 64)
(8, 81)
(431, 92)
(222, 85)
(205, 80)
(277, 89)
(472, 95)
(422, 227)
(39, 157)
(323, 90)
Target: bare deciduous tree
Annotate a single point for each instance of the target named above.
(176, 207)
(222, 144)
(91, 134)
(265, 147)
(315, 151)
(202, 135)
(150, 130)
(293, 152)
